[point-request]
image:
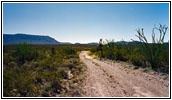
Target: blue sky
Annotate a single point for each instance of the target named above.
(85, 22)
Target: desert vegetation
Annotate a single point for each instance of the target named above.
(153, 55)
(56, 70)
(42, 70)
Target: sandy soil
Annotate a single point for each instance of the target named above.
(108, 79)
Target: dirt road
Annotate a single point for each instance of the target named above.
(105, 79)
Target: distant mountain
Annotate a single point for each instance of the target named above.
(118, 42)
(132, 43)
(121, 42)
(30, 39)
(77, 43)
(135, 42)
(93, 43)
(65, 43)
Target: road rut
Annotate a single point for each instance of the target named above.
(104, 79)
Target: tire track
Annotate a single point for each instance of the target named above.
(105, 80)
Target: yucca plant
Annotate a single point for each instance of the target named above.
(100, 46)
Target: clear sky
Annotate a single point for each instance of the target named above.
(84, 22)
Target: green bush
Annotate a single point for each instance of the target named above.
(7, 59)
(24, 52)
(164, 59)
(18, 82)
(137, 60)
(144, 54)
(93, 50)
(114, 51)
(108, 53)
(120, 54)
(31, 70)
(68, 50)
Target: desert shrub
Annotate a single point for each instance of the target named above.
(56, 85)
(32, 70)
(68, 50)
(89, 53)
(45, 94)
(108, 52)
(12, 64)
(114, 51)
(108, 49)
(93, 50)
(35, 64)
(98, 53)
(18, 82)
(50, 63)
(94, 57)
(120, 54)
(74, 61)
(41, 56)
(137, 60)
(24, 52)
(164, 59)
(142, 54)
(7, 59)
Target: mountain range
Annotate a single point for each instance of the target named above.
(32, 39)
(39, 39)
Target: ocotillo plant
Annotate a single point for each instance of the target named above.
(152, 51)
